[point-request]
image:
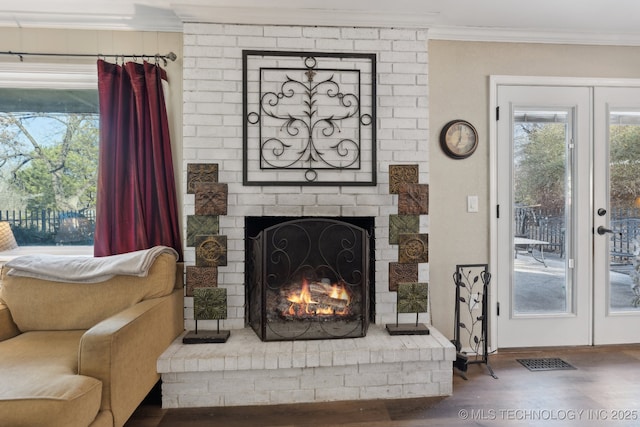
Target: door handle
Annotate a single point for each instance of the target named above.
(602, 230)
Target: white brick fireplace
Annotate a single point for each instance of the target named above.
(213, 133)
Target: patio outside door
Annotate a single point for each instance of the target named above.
(569, 220)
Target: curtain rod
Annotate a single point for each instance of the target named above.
(170, 56)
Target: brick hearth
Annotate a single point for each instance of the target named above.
(247, 371)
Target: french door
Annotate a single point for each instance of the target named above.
(617, 215)
(568, 215)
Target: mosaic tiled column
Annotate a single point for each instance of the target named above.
(413, 247)
(210, 302)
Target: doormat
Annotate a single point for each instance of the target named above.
(545, 364)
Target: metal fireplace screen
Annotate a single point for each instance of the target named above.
(310, 280)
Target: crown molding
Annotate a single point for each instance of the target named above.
(159, 21)
(170, 15)
(510, 35)
(304, 16)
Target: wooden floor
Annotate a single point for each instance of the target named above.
(604, 389)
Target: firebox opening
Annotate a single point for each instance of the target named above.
(311, 293)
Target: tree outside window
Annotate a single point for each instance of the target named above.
(48, 164)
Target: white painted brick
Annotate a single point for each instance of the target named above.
(381, 392)
(397, 79)
(257, 42)
(326, 359)
(383, 90)
(417, 69)
(334, 45)
(399, 123)
(202, 400)
(360, 211)
(409, 46)
(360, 33)
(416, 135)
(446, 388)
(297, 199)
(379, 368)
(365, 380)
(291, 396)
(200, 51)
(398, 34)
(372, 45)
(385, 112)
(278, 210)
(232, 385)
(216, 41)
(321, 381)
(244, 30)
(337, 394)
(285, 360)
(403, 112)
(441, 376)
(295, 43)
(270, 384)
(410, 377)
(282, 31)
(321, 32)
(370, 380)
(420, 390)
(192, 387)
(398, 57)
(199, 28)
(321, 211)
(212, 62)
(242, 399)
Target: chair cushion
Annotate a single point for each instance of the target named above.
(40, 385)
(37, 304)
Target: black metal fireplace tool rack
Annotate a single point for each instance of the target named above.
(468, 278)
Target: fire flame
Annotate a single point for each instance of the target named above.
(302, 299)
(302, 302)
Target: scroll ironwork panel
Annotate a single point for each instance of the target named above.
(309, 118)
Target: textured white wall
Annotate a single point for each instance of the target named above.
(212, 133)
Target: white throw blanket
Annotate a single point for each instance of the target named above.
(79, 269)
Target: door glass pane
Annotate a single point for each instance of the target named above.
(624, 202)
(542, 200)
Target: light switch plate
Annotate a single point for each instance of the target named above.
(472, 204)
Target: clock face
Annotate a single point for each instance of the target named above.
(459, 139)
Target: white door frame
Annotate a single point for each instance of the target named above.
(494, 82)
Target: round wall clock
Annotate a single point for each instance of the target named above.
(459, 139)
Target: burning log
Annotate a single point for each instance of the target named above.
(314, 299)
(325, 301)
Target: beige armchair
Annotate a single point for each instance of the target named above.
(84, 354)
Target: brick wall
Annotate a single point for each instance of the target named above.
(212, 133)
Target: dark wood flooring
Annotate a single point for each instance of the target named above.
(603, 390)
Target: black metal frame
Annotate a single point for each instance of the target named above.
(463, 278)
(306, 125)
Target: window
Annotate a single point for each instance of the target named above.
(49, 131)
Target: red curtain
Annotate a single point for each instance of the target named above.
(136, 201)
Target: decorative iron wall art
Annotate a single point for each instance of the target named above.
(309, 118)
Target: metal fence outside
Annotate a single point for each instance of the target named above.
(49, 227)
(535, 222)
